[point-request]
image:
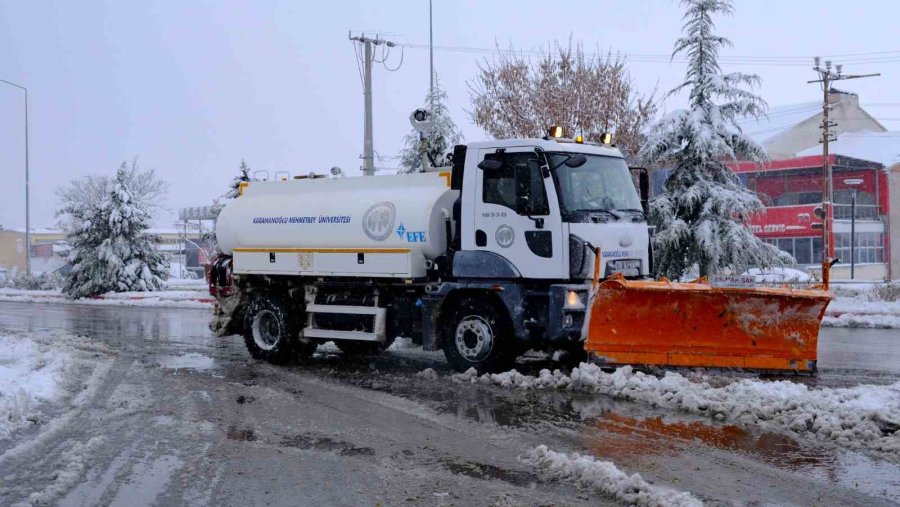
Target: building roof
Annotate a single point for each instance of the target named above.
(881, 147)
(34, 230)
(778, 119)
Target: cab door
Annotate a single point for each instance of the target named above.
(517, 212)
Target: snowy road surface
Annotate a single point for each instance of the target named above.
(170, 415)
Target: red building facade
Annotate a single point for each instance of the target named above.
(792, 189)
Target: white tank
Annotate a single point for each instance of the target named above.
(403, 211)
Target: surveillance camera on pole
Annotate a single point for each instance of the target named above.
(421, 120)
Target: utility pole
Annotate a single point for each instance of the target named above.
(368, 156)
(827, 76)
(27, 206)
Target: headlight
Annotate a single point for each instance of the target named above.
(574, 300)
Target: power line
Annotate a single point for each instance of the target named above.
(774, 60)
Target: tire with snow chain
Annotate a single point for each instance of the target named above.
(271, 331)
(478, 334)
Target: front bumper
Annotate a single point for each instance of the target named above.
(566, 321)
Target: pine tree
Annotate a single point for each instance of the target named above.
(701, 217)
(111, 250)
(443, 136)
(234, 191)
(242, 176)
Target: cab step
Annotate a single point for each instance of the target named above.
(378, 315)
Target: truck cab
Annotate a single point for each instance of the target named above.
(537, 202)
(531, 215)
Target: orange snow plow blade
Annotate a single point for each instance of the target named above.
(697, 325)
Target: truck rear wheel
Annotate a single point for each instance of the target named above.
(478, 334)
(271, 332)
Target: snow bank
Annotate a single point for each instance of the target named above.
(30, 374)
(863, 306)
(186, 284)
(603, 476)
(860, 312)
(862, 321)
(864, 417)
(164, 299)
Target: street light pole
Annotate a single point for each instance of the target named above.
(27, 207)
(853, 183)
(853, 235)
(430, 60)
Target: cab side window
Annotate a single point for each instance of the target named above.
(502, 187)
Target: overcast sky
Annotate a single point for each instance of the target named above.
(192, 87)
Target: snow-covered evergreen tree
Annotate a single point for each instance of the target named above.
(242, 176)
(111, 249)
(701, 217)
(443, 136)
(219, 203)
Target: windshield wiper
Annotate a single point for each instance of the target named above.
(600, 210)
(639, 212)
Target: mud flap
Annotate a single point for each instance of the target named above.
(698, 325)
(227, 316)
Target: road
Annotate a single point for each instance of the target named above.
(184, 418)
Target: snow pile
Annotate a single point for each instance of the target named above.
(778, 275)
(877, 321)
(403, 343)
(863, 417)
(186, 284)
(428, 373)
(165, 299)
(605, 477)
(861, 312)
(30, 374)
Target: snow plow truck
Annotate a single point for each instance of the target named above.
(519, 244)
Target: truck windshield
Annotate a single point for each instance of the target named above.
(601, 184)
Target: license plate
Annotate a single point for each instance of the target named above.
(733, 281)
(630, 267)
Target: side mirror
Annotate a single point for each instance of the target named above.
(819, 212)
(490, 164)
(642, 186)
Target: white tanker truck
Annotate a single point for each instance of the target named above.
(484, 260)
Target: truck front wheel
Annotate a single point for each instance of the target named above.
(271, 332)
(478, 335)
